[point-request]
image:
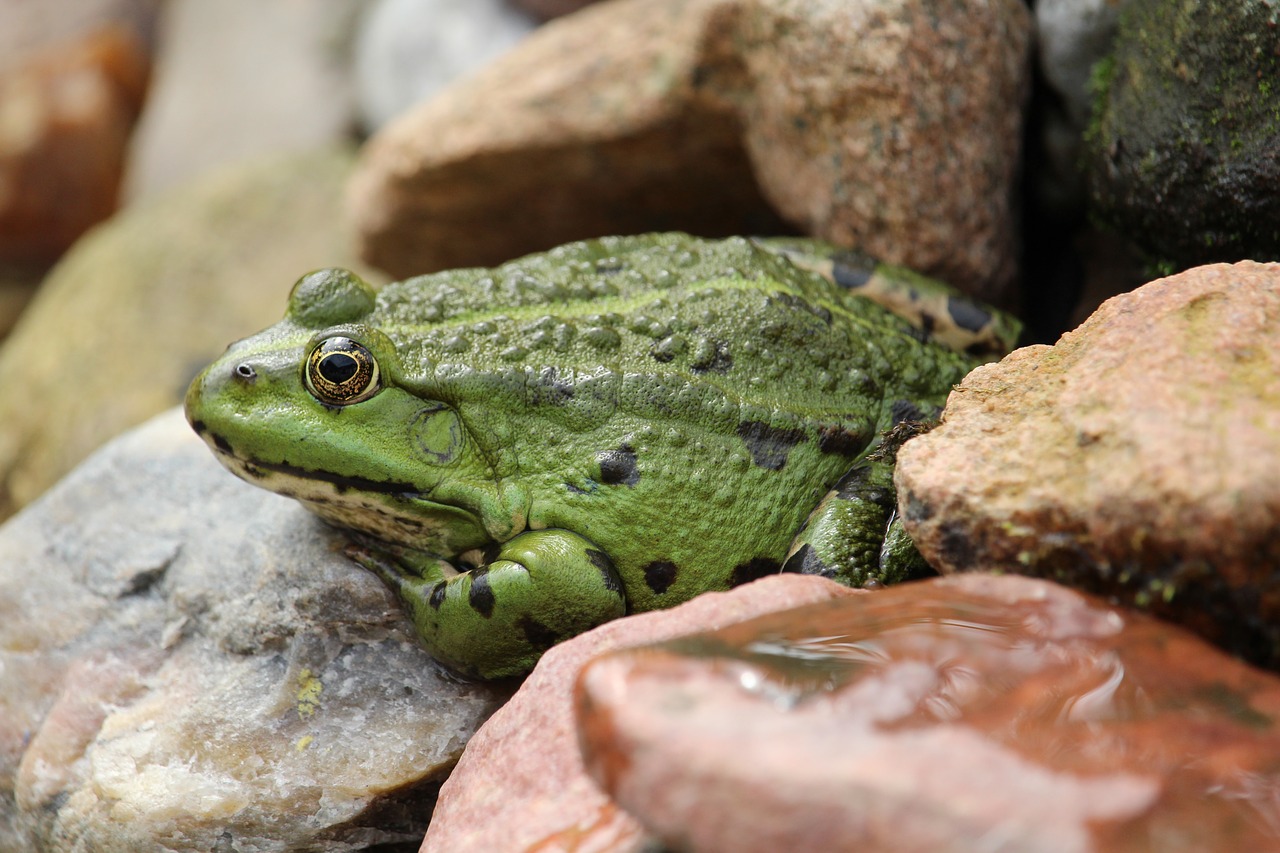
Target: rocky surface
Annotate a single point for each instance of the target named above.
(973, 713)
(408, 50)
(190, 663)
(136, 309)
(521, 786)
(73, 76)
(1184, 152)
(892, 125)
(1139, 458)
(240, 79)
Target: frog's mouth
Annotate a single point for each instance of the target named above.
(391, 511)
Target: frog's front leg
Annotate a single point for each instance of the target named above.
(854, 535)
(541, 587)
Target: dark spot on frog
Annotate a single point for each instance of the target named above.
(768, 445)
(660, 575)
(618, 466)
(806, 562)
(712, 357)
(550, 389)
(539, 636)
(437, 595)
(840, 440)
(967, 315)
(905, 410)
(854, 486)
(753, 569)
(481, 595)
(852, 271)
(601, 561)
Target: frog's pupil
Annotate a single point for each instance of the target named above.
(338, 368)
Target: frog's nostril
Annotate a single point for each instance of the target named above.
(246, 372)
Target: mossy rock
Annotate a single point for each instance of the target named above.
(1183, 152)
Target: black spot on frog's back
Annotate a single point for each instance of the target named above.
(481, 595)
(618, 467)
(768, 445)
(660, 575)
(753, 569)
(967, 315)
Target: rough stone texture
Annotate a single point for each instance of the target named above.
(521, 786)
(972, 713)
(239, 79)
(1184, 152)
(130, 315)
(72, 83)
(1139, 458)
(408, 50)
(188, 663)
(891, 124)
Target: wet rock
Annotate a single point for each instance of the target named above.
(1138, 458)
(188, 663)
(972, 713)
(72, 81)
(1184, 151)
(240, 79)
(408, 50)
(520, 785)
(892, 125)
(129, 316)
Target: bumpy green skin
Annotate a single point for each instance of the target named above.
(612, 426)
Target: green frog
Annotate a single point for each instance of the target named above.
(609, 427)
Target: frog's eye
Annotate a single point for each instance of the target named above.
(341, 371)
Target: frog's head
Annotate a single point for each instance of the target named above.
(316, 408)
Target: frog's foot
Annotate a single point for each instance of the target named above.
(495, 621)
(855, 536)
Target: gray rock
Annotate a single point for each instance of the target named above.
(241, 78)
(1138, 458)
(1184, 149)
(408, 50)
(188, 663)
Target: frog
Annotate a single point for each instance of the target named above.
(613, 426)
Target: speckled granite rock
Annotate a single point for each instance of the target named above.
(520, 784)
(129, 316)
(1183, 153)
(890, 124)
(1138, 458)
(73, 76)
(188, 663)
(972, 713)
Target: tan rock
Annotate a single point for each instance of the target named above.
(520, 784)
(972, 713)
(884, 124)
(189, 663)
(127, 318)
(66, 114)
(1139, 457)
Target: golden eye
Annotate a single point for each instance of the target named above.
(341, 371)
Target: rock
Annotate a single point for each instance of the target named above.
(973, 713)
(548, 9)
(410, 49)
(188, 663)
(892, 125)
(136, 309)
(1138, 458)
(520, 784)
(240, 79)
(72, 81)
(1184, 151)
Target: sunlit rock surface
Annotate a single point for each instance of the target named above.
(972, 713)
(1139, 458)
(188, 663)
(521, 786)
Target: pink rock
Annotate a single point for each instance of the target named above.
(977, 712)
(1138, 458)
(520, 783)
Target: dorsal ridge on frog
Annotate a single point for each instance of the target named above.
(612, 426)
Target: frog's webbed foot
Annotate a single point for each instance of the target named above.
(854, 535)
(495, 621)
